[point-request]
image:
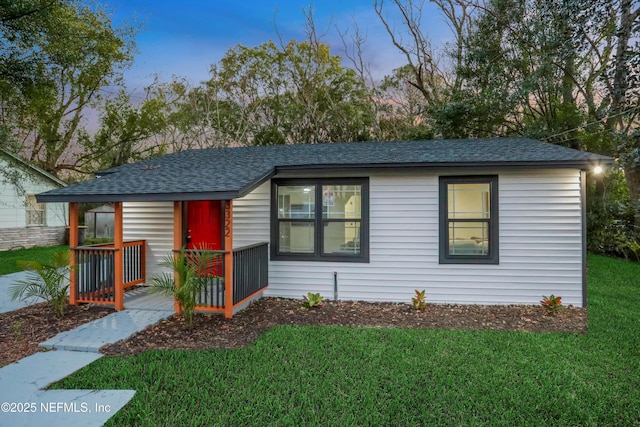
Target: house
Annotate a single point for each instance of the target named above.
(486, 221)
(25, 222)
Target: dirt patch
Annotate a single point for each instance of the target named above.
(213, 331)
(22, 330)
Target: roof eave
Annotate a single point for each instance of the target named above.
(570, 164)
(256, 183)
(156, 197)
(584, 164)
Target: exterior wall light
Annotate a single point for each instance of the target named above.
(597, 170)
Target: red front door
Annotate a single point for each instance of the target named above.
(204, 224)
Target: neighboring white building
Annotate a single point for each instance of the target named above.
(23, 221)
(489, 221)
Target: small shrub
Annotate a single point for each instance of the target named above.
(97, 240)
(552, 303)
(191, 270)
(16, 328)
(420, 300)
(48, 281)
(312, 300)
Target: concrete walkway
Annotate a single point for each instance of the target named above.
(21, 383)
(6, 304)
(107, 330)
(24, 403)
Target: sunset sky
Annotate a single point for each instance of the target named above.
(184, 38)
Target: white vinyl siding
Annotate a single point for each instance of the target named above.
(540, 246)
(13, 204)
(251, 216)
(153, 222)
(540, 243)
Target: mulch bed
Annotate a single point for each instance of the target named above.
(213, 331)
(22, 330)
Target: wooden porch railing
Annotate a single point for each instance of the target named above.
(211, 296)
(95, 270)
(250, 271)
(250, 277)
(133, 260)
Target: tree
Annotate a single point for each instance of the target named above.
(70, 54)
(297, 93)
(574, 72)
(431, 71)
(565, 71)
(125, 133)
(402, 110)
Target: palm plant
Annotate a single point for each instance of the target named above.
(47, 281)
(191, 274)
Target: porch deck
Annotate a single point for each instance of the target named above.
(96, 281)
(142, 298)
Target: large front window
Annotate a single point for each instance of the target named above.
(320, 220)
(469, 219)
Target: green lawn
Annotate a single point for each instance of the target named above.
(357, 376)
(43, 254)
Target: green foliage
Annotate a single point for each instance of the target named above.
(419, 301)
(191, 269)
(402, 108)
(16, 330)
(312, 300)
(58, 55)
(8, 259)
(96, 240)
(343, 376)
(125, 130)
(552, 303)
(48, 281)
(611, 229)
(296, 93)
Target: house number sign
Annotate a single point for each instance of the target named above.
(227, 218)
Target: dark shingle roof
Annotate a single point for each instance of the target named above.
(228, 173)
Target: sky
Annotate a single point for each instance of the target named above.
(183, 38)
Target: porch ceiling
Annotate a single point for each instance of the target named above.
(229, 173)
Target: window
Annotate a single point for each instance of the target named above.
(35, 211)
(469, 220)
(320, 220)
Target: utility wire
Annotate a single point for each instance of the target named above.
(589, 124)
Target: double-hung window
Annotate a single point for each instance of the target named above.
(320, 219)
(36, 212)
(469, 220)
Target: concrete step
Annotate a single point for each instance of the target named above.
(107, 330)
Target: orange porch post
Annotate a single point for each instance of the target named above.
(118, 268)
(228, 258)
(177, 245)
(73, 242)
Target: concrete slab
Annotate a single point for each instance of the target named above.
(109, 329)
(142, 298)
(24, 403)
(6, 304)
(39, 370)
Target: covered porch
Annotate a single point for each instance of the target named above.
(103, 273)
